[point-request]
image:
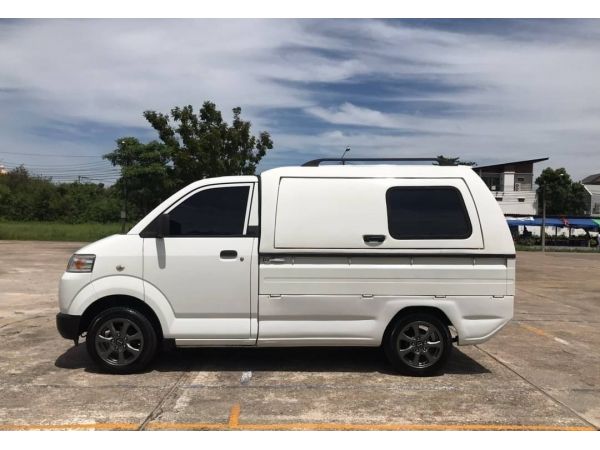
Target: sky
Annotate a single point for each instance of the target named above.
(485, 90)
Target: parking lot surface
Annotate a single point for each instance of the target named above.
(542, 371)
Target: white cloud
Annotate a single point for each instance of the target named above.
(531, 93)
(349, 114)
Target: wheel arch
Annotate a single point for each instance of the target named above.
(437, 312)
(111, 301)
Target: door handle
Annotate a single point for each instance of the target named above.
(373, 238)
(228, 254)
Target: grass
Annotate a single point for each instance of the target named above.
(56, 231)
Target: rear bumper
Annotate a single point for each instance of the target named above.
(67, 325)
(480, 319)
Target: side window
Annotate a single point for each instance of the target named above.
(219, 211)
(436, 212)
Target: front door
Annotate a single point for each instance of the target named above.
(203, 266)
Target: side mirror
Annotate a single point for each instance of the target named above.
(163, 226)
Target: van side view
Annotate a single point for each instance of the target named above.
(411, 258)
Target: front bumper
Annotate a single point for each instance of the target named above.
(68, 326)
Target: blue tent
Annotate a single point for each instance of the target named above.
(586, 224)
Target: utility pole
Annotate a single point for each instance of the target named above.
(544, 217)
(124, 214)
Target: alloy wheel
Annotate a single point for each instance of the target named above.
(420, 344)
(119, 342)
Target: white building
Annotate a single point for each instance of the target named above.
(592, 186)
(513, 185)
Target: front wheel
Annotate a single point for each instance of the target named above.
(418, 344)
(121, 340)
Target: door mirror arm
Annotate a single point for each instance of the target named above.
(163, 223)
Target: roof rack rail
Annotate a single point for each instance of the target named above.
(317, 162)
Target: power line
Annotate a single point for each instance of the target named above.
(45, 173)
(77, 175)
(100, 166)
(50, 155)
(68, 171)
(73, 179)
(55, 164)
(65, 169)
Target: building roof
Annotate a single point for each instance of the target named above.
(495, 166)
(592, 179)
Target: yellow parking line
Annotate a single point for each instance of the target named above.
(295, 426)
(332, 426)
(234, 415)
(72, 426)
(318, 426)
(234, 424)
(186, 426)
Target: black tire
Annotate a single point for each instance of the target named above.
(412, 350)
(121, 340)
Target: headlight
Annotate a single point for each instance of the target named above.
(81, 263)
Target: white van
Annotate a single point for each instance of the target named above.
(406, 257)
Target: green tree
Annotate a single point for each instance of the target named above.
(87, 202)
(563, 196)
(146, 173)
(27, 197)
(203, 145)
(5, 196)
(442, 160)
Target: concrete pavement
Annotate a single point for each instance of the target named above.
(541, 372)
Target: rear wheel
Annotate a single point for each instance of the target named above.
(418, 344)
(121, 340)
